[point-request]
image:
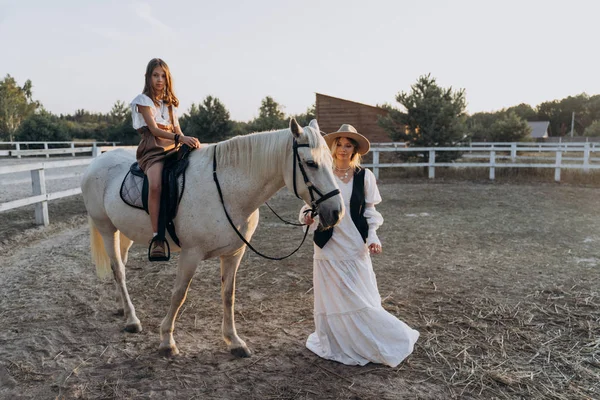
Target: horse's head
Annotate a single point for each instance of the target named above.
(310, 174)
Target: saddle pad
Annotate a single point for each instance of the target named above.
(131, 190)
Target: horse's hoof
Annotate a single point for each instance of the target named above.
(133, 328)
(240, 352)
(168, 351)
(120, 312)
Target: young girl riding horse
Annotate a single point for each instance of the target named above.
(154, 116)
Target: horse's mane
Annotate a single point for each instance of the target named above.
(259, 152)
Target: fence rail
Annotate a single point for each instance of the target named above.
(491, 154)
(20, 149)
(536, 145)
(40, 196)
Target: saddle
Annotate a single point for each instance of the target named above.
(134, 192)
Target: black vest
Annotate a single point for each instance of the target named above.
(357, 210)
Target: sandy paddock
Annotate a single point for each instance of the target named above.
(501, 280)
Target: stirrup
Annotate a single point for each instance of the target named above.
(166, 247)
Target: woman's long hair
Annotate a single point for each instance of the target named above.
(354, 160)
(168, 96)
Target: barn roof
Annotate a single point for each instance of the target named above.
(539, 129)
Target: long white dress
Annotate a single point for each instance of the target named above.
(351, 326)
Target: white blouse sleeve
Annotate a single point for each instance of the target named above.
(372, 197)
(312, 227)
(136, 117)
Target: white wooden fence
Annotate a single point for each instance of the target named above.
(20, 149)
(493, 154)
(40, 196)
(38, 182)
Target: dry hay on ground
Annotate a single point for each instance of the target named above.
(501, 281)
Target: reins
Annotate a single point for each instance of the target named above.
(311, 188)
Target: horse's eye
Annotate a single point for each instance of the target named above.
(312, 164)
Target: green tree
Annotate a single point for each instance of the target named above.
(122, 132)
(524, 111)
(478, 125)
(270, 116)
(509, 128)
(16, 105)
(306, 117)
(560, 112)
(434, 116)
(208, 121)
(593, 130)
(240, 128)
(119, 112)
(43, 127)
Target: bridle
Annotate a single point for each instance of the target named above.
(311, 189)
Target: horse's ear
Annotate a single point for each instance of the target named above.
(295, 128)
(314, 124)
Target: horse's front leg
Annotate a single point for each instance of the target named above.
(188, 262)
(229, 267)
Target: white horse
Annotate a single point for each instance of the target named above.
(251, 169)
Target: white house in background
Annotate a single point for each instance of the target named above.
(539, 129)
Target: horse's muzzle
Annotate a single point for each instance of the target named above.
(328, 218)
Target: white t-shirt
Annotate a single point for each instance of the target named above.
(160, 112)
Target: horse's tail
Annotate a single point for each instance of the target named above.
(99, 256)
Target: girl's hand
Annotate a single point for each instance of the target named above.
(308, 220)
(190, 141)
(375, 248)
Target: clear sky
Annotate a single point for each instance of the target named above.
(85, 54)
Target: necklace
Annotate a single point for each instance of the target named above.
(162, 109)
(345, 171)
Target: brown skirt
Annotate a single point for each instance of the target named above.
(154, 149)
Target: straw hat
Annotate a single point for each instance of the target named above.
(349, 132)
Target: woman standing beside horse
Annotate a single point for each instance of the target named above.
(351, 325)
(154, 116)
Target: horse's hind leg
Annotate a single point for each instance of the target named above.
(111, 238)
(229, 267)
(188, 262)
(124, 244)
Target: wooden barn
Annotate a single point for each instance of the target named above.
(332, 112)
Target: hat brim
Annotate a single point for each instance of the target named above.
(363, 143)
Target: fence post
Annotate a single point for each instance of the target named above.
(94, 150)
(376, 164)
(38, 183)
(46, 148)
(558, 163)
(513, 152)
(73, 148)
(586, 157)
(492, 164)
(18, 145)
(431, 164)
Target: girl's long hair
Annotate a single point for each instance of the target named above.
(168, 97)
(354, 160)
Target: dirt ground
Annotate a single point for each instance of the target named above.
(501, 280)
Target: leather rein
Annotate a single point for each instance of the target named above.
(311, 189)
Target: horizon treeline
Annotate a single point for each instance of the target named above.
(24, 119)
